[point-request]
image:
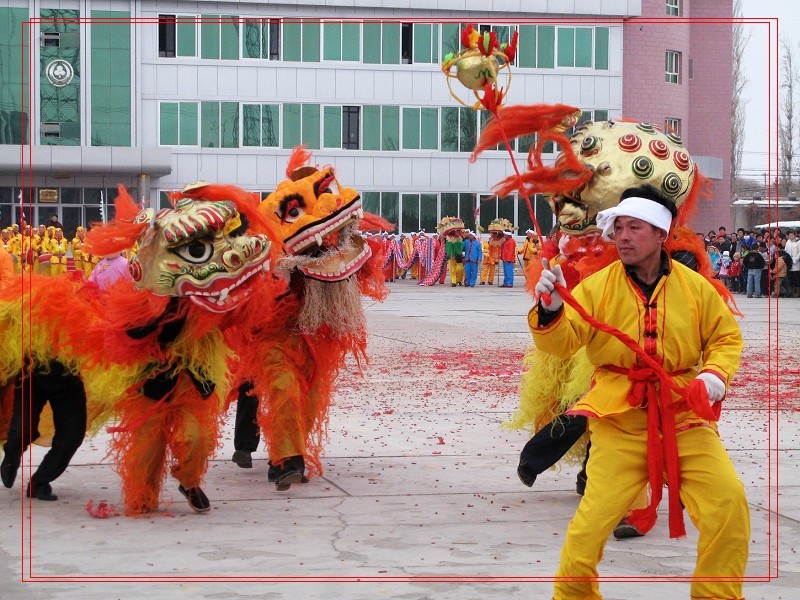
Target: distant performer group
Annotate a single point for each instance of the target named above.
(174, 315)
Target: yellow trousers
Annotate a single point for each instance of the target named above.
(456, 271)
(617, 470)
(487, 273)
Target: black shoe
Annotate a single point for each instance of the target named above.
(40, 491)
(8, 471)
(525, 475)
(291, 471)
(580, 484)
(243, 459)
(483, 283)
(197, 499)
(626, 530)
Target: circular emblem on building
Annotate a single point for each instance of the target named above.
(59, 72)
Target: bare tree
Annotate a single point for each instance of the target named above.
(740, 39)
(787, 139)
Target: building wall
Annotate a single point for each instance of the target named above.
(702, 98)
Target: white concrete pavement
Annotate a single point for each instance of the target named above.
(419, 483)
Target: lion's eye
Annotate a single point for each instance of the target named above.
(290, 209)
(197, 251)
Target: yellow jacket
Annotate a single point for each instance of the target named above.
(58, 249)
(694, 331)
(529, 249)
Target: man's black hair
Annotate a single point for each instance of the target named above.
(648, 192)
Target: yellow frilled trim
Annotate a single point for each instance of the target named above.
(548, 387)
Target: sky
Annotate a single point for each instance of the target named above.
(755, 155)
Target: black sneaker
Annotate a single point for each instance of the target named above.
(580, 484)
(8, 471)
(243, 459)
(525, 475)
(197, 498)
(291, 471)
(625, 530)
(40, 491)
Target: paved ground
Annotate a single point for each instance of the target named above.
(419, 483)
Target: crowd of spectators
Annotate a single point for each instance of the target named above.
(763, 262)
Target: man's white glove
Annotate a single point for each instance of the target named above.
(546, 285)
(715, 387)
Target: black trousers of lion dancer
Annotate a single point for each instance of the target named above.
(67, 398)
(246, 432)
(552, 442)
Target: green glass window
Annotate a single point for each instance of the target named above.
(252, 38)
(209, 124)
(526, 49)
(291, 40)
(371, 33)
(601, 115)
(601, 48)
(61, 104)
(186, 36)
(251, 125)
(425, 47)
(410, 212)
(332, 41)
(390, 44)
(311, 37)
(188, 123)
(566, 46)
(371, 131)
(466, 205)
(371, 201)
(583, 47)
(168, 124)
(451, 38)
(270, 125)
(229, 120)
(411, 133)
(506, 207)
(111, 79)
(449, 204)
(310, 125)
(291, 124)
(14, 86)
(341, 41)
(229, 40)
(390, 128)
(332, 126)
(351, 42)
(545, 49)
(209, 36)
(390, 206)
(430, 129)
(526, 142)
(427, 212)
(449, 129)
(468, 129)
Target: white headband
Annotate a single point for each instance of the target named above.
(638, 208)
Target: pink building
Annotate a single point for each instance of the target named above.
(679, 75)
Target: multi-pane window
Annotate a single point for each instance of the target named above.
(673, 67)
(536, 46)
(420, 128)
(381, 43)
(341, 41)
(301, 40)
(574, 46)
(177, 35)
(331, 126)
(504, 33)
(381, 128)
(261, 38)
(260, 125)
(219, 124)
(419, 43)
(219, 37)
(351, 126)
(301, 125)
(672, 125)
(459, 129)
(673, 8)
(418, 212)
(178, 123)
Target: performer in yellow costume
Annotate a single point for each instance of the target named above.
(637, 430)
(59, 246)
(491, 249)
(77, 248)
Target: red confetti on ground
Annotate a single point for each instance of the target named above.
(102, 510)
